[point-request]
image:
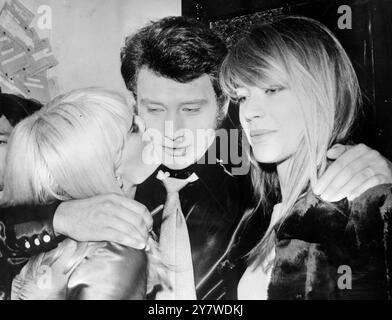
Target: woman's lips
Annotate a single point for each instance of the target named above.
(260, 135)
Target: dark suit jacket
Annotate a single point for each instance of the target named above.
(213, 206)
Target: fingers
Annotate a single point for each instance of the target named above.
(367, 184)
(125, 239)
(337, 169)
(129, 210)
(131, 217)
(360, 182)
(356, 170)
(348, 178)
(87, 220)
(122, 226)
(336, 151)
(105, 225)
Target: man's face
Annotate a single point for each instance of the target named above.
(5, 131)
(181, 117)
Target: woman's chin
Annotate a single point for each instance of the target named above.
(266, 158)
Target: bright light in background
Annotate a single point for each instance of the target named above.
(86, 36)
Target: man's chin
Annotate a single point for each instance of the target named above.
(177, 166)
(178, 163)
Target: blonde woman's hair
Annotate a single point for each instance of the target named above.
(69, 149)
(303, 55)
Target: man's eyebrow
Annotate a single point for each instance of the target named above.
(195, 101)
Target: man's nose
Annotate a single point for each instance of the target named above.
(174, 128)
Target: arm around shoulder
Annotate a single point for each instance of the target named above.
(27, 230)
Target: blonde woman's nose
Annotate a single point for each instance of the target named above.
(139, 122)
(252, 111)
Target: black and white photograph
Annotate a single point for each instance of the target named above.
(192, 150)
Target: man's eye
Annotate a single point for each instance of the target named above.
(155, 110)
(3, 142)
(191, 110)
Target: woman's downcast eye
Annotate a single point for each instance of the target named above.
(273, 90)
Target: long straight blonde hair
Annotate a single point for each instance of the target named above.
(301, 54)
(69, 149)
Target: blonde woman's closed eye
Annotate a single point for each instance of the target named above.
(273, 90)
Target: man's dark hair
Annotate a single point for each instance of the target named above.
(16, 108)
(178, 48)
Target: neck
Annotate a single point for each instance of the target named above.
(283, 171)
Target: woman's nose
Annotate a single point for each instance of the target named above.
(251, 111)
(139, 123)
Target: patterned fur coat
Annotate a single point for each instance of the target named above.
(335, 251)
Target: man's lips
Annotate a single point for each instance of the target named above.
(177, 151)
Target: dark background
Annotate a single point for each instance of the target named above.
(368, 43)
